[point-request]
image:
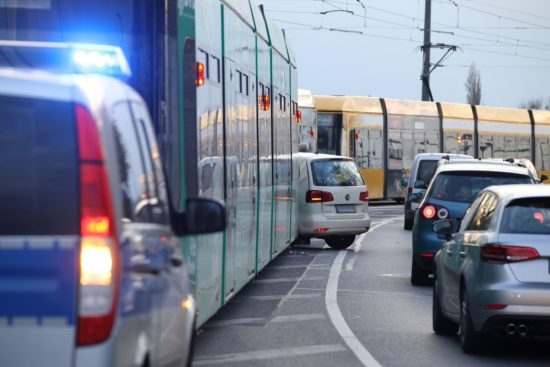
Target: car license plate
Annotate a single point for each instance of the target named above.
(346, 208)
(414, 206)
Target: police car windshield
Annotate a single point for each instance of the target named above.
(464, 186)
(38, 161)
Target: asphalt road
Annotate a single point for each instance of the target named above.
(313, 306)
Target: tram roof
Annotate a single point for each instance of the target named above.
(305, 98)
(456, 111)
(276, 38)
(259, 21)
(348, 104)
(542, 116)
(409, 107)
(242, 8)
(500, 114)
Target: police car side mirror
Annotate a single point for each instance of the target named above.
(204, 216)
(404, 181)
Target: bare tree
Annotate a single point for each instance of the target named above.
(533, 104)
(473, 86)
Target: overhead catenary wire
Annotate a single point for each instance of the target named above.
(458, 32)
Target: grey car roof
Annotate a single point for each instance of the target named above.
(508, 193)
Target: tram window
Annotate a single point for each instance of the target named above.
(282, 102)
(244, 84)
(214, 73)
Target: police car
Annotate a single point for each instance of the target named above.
(91, 271)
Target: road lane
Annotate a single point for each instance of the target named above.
(392, 319)
(282, 320)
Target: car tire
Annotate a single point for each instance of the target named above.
(471, 341)
(340, 242)
(441, 324)
(419, 276)
(409, 222)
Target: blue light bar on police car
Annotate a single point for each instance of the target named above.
(65, 57)
(100, 59)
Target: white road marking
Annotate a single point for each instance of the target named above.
(359, 240)
(281, 267)
(268, 354)
(281, 280)
(293, 318)
(278, 297)
(331, 302)
(266, 320)
(395, 275)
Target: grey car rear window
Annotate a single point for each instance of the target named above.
(463, 186)
(39, 192)
(335, 172)
(527, 216)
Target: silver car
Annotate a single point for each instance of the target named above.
(492, 277)
(332, 199)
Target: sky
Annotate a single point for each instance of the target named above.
(373, 48)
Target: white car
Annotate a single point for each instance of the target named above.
(332, 199)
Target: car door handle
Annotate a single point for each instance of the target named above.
(462, 253)
(449, 251)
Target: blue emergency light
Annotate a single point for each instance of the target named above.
(65, 57)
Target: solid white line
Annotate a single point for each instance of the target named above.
(268, 354)
(359, 240)
(331, 302)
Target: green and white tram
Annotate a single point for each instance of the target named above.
(220, 80)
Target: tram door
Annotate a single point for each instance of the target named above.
(329, 133)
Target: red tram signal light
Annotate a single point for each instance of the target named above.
(299, 116)
(199, 81)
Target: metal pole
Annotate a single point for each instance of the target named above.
(426, 52)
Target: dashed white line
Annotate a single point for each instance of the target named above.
(268, 354)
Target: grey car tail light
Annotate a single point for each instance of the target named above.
(502, 254)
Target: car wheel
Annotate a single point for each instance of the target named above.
(470, 340)
(441, 324)
(409, 222)
(419, 276)
(340, 242)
